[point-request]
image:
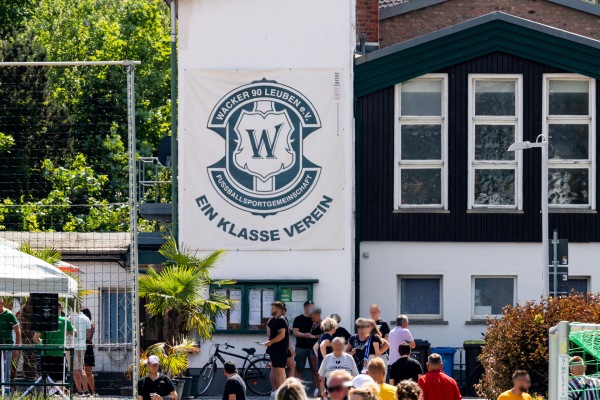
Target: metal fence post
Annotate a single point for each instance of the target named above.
(133, 250)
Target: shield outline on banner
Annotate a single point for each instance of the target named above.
(269, 142)
(304, 118)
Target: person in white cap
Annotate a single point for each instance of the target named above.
(155, 386)
(359, 381)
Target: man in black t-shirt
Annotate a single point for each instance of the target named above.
(405, 368)
(277, 345)
(383, 327)
(302, 327)
(155, 386)
(235, 388)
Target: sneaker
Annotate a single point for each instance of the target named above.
(273, 395)
(95, 395)
(316, 393)
(86, 394)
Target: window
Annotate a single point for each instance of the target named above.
(569, 125)
(421, 148)
(253, 303)
(572, 284)
(495, 122)
(421, 296)
(492, 294)
(116, 317)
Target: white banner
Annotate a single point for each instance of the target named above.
(262, 160)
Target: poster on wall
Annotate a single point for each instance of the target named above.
(262, 160)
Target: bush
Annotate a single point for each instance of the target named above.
(519, 340)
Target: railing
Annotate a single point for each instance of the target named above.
(39, 381)
(154, 181)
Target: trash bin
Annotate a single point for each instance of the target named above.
(421, 352)
(474, 371)
(447, 354)
(473, 350)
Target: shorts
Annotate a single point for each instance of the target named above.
(303, 354)
(53, 367)
(89, 360)
(278, 359)
(78, 357)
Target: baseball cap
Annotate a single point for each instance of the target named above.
(359, 380)
(229, 367)
(153, 360)
(308, 303)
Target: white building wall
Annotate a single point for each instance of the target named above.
(105, 276)
(266, 35)
(457, 263)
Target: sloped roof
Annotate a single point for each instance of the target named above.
(391, 8)
(390, 3)
(73, 242)
(493, 32)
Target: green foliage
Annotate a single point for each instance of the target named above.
(65, 129)
(175, 296)
(173, 358)
(50, 255)
(74, 202)
(519, 340)
(6, 142)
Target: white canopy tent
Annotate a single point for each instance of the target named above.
(22, 274)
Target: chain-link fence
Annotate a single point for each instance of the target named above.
(68, 269)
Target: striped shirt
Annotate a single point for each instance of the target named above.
(584, 388)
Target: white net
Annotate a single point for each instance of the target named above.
(65, 242)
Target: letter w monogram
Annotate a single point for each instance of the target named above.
(263, 142)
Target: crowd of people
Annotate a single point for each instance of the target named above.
(375, 363)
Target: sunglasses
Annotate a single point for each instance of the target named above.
(333, 389)
(363, 326)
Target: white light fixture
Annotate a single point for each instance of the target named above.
(541, 143)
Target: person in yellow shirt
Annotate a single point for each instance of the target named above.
(521, 385)
(377, 371)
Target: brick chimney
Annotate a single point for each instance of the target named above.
(367, 23)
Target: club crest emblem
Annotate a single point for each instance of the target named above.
(264, 170)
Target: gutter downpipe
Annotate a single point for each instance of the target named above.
(174, 149)
(357, 213)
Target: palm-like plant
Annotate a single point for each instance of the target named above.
(173, 359)
(175, 296)
(53, 256)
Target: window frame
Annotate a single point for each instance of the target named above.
(430, 317)
(247, 285)
(442, 164)
(473, 121)
(475, 277)
(586, 278)
(105, 325)
(548, 120)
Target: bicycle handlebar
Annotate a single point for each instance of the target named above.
(226, 345)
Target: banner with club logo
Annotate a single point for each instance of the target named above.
(262, 160)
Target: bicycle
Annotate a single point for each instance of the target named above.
(256, 375)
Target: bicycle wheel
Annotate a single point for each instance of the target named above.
(257, 376)
(207, 375)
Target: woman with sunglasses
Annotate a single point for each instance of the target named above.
(333, 362)
(366, 344)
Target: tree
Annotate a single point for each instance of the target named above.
(175, 297)
(54, 117)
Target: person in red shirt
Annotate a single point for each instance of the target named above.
(435, 384)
